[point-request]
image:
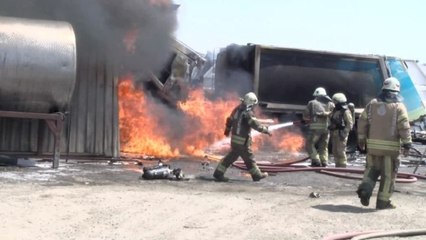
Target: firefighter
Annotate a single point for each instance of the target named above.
(341, 123)
(383, 128)
(239, 125)
(316, 114)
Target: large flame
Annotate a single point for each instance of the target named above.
(148, 127)
(140, 126)
(205, 119)
(151, 128)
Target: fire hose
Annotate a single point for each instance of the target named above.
(279, 168)
(418, 154)
(286, 166)
(377, 234)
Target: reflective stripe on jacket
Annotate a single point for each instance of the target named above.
(314, 114)
(384, 125)
(241, 121)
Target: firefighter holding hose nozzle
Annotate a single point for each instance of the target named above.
(383, 128)
(239, 125)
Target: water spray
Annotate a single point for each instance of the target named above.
(273, 128)
(220, 144)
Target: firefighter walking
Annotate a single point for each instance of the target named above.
(383, 128)
(341, 123)
(317, 114)
(239, 125)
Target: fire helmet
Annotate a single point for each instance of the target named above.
(339, 98)
(320, 92)
(250, 99)
(391, 84)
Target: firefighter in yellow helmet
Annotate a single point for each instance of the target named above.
(341, 123)
(317, 114)
(383, 128)
(239, 125)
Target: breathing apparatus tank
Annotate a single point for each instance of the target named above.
(161, 171)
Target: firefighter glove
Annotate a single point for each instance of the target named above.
(406, 149)
(227, 132)
(305, 121)
(267, 131)
(406, 145)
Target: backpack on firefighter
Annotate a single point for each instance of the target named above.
(337, 121)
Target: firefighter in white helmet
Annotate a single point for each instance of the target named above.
(316, 114)
(341, 124)
(239, 125)
(383, 128)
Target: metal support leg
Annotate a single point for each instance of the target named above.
(56, 127)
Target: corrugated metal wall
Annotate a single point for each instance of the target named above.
(91, 128)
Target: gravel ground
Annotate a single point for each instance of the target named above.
(97, 200)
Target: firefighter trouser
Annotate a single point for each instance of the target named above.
(338, 147)
(386, 167)
(318, 138)
(245, 153)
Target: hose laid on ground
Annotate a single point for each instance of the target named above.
(377, 234)
(404, 179)
(419, 154)
(396, 233)
(344, 236)
(286, 166)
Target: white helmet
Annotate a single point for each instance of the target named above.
(339, 98)
(391, 84)
(320, 92)
(250, 99)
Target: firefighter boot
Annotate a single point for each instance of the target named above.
(380, 205)
(219, 176)
(364, 195)
(315, 163)
(260, 176)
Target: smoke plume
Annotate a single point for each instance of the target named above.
(102, 25)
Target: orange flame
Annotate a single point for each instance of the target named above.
(151, 128)
(289, 141)
(140, 129)
(206, 120)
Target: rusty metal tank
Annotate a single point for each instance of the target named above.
(37, 65)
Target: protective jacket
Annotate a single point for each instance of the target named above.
(316, 113)
(385, 126)
(240, 123)
(341, 120)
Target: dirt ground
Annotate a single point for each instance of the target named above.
(98, 200)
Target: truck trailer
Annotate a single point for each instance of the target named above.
(284, 79)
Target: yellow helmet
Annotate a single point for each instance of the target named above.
(250, 99)
(391, 84)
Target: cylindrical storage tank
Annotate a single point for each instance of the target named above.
(37, 65)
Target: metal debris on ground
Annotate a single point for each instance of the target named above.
(162, 171)
(314, 195)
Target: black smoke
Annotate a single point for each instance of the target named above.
(101, 25)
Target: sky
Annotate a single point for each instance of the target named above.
(385, 27)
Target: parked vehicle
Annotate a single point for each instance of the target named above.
(285, 78)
